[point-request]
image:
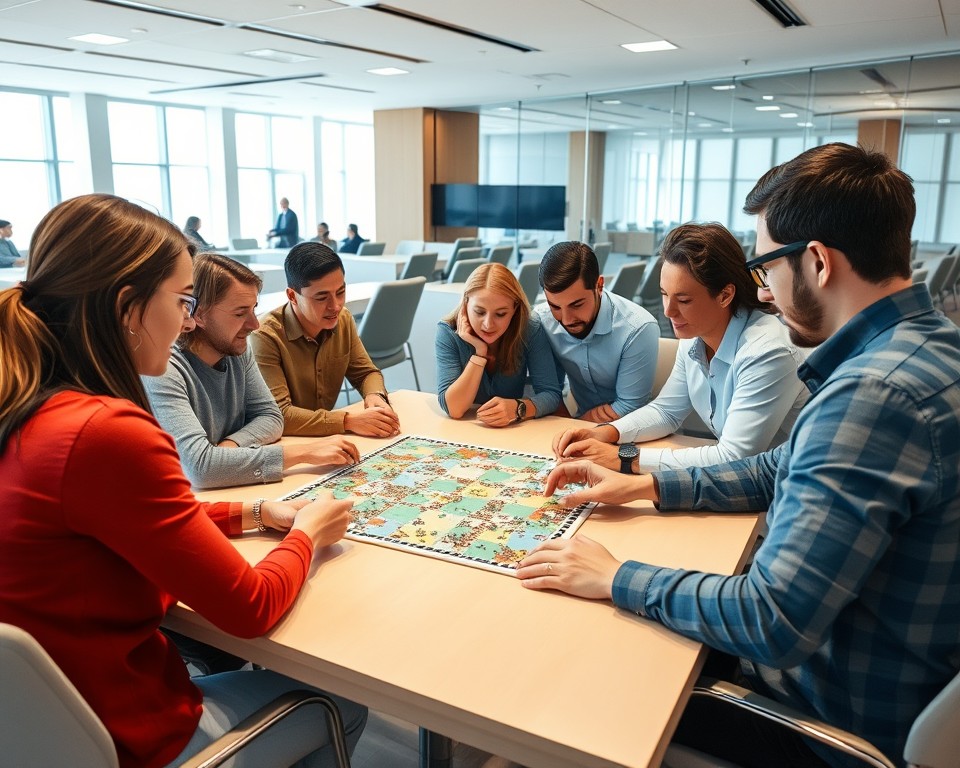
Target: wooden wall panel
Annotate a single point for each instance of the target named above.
(881, 136)
(577, 190)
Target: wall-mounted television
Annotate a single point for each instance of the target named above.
(503, 206)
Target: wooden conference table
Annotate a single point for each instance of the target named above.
(541, 678)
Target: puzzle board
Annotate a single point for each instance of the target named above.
(472, 505)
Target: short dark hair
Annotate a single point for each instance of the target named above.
(353, 228)
(192, 222)
(4, 223)
(845, 195)
(715, 259)
(565, 263)
(309, 261)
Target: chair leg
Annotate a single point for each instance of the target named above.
(413, 365)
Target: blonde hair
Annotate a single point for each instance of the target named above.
(499, 279)
(61, 329)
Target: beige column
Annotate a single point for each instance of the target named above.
(414, 149)
(590, 150)
(880, 136)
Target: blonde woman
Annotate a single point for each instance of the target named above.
(488, 346)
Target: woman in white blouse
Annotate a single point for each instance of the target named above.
(735, 365)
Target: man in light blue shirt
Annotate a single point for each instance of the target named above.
(605, 344)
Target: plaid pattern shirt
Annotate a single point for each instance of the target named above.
(851, 609)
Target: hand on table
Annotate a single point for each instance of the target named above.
(578, 566)
(325, 519)
(603, 485)
(373, 421)
(563, 441)
(600, 414)
(498, 411)
(336, 450)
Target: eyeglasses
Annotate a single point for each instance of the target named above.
(189, 302)
(759, 272)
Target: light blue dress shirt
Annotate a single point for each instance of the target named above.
(453, 355)
(617, 360)
(748, 395)
(8, 253)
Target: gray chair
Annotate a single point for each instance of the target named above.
(244, 243)
(387, 322)
(919, 276)
(933, 741)
(528, 275)
(950, 281)
(464, 268)
(44, 721)
(459, 245)
(419, 265)
(368, 248)
(626, 282)
(408, 247)
(602, 251)
(501, 254)
(649, 295)
(937, 272)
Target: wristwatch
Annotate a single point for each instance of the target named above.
(521, 409)
(627, 453)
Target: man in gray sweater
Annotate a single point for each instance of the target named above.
(213, 399)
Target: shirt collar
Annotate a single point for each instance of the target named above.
(604, 323)
(727, 350)
(860, 330)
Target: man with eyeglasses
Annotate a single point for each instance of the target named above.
(308, 346)
(850, 611)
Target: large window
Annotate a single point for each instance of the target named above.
(348, 178)
(160, 159)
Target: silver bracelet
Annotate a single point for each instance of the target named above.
(256, 515)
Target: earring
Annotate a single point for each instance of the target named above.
(139, 339)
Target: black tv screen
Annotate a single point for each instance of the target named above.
(499, 204)
(454, 205)
(541, 207)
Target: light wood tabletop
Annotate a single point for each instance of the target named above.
(541, 678)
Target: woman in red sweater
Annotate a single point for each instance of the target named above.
(100, 533)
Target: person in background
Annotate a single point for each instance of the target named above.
(351, 243)
(735, 367)
(287, 228)
(308, 346)
(192, 230)
(487, 347)
(323, 236)
(851, 609)
(212, 397)
(605, 344)
(9, 255)
(102, 533)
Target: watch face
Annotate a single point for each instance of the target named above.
(628, 451)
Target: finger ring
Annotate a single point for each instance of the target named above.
(549, 566)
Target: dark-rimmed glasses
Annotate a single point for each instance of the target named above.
(759, 273)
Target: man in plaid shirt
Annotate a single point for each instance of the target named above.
(851, 609)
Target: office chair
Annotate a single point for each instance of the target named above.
(459, 245)
(501, 254)
(243, 243)
(408, 247)
(528, 275)
(419, 265)
(666, 358)
(464, 267)
(937, 272)
(602, 251)
(933, 741)
(387, 321)
(45, 721)
(368, 248)
(627, 280)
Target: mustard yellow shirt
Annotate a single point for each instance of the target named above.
(305, 374)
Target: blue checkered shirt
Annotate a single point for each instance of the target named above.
(851, 609)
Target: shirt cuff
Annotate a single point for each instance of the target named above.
(273, 463)
(674, 493)
(630, 586)
(650, 459)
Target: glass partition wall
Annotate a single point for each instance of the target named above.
(637, 162)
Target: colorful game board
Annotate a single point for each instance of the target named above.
(477, 506)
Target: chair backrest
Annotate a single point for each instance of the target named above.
(463, 268)
(388, 318)
(602, 250)
(919, 275)
(953, 275)
(528, 275)
(244, 243)
(44, 720)
(650, 285)
(937, 271)
(419, 265)
(406, 247)
(934, 739)
(627, 280)
(368, 248)
(501, 254)
(666, 357)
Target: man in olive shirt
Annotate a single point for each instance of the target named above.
(308, 346)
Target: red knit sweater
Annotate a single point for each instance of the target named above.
(99, 536)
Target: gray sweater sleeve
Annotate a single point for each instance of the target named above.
(263, 422)
(177, 398)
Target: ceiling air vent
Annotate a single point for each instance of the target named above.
(782, 12)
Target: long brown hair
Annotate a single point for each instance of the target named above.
(62, 327)
(499, 279)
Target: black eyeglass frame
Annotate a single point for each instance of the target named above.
(755, 265)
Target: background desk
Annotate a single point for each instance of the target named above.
(541, 678)
(10, 276)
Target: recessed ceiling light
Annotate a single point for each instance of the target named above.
(611, 101)
(283, 57)
(704, 125)
(98, 39)
(943, 120)
(789, 114)
(768, 108)
(639, 133)
(805, 125)
(691, 114)
(723, 87)
(767, 98)
(655, 45)
(727, 130)
(388, 71)
(505, 109)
